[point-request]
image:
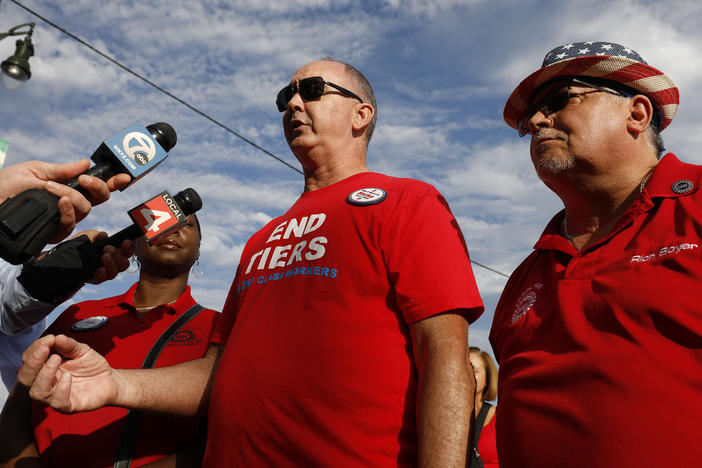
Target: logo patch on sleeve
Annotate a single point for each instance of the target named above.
(366, 196)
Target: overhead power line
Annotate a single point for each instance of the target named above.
(488, 268)
(189, 106)
(151, 83)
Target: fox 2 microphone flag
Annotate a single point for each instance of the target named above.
(3, 151)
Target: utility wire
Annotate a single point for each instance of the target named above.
(488, 268)
(145, 80)
(194, 109)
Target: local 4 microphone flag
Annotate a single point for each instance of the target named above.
(3, 151)
(158, 217)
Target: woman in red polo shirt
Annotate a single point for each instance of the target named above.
(124, 329)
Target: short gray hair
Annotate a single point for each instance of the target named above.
(364, 88)
(655, 139)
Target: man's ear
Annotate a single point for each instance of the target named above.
(363, 116)
(640, 114)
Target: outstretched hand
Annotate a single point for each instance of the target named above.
(67, 375)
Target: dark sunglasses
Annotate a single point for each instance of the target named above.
(310, 89)
(556, 100)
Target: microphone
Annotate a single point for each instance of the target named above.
(132, 152)
(29, 219)
(70, 264)
(157, 217)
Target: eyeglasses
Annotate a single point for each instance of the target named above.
(554, 101)
(310, 89)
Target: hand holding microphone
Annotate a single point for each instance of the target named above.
(33, 218)
(19, 177)
(72, 263)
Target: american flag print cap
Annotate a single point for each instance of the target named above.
(604, 60)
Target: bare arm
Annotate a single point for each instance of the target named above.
(445, 389)
(189, 385)
(17, 447)
(72, 377)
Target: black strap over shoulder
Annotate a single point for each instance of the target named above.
(474, 458)
(131, 428)
(480, 422)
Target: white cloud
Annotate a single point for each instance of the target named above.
(430, 8)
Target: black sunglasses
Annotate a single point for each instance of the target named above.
(554, 101)
(310, 89)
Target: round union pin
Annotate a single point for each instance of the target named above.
(89, 324)
(682, 186)
(366, 196)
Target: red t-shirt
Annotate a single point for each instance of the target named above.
(91, 439)
(600, 351)
(317, 368)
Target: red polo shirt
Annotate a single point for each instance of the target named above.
(600, 351)
(91, 439)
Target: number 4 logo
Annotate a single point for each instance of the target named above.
(154, 218)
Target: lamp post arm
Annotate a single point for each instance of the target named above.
(13, 31)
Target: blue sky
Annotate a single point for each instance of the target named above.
(442, 71)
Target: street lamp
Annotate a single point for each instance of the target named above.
(15, 70)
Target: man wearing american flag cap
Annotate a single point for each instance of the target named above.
(599, 331)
